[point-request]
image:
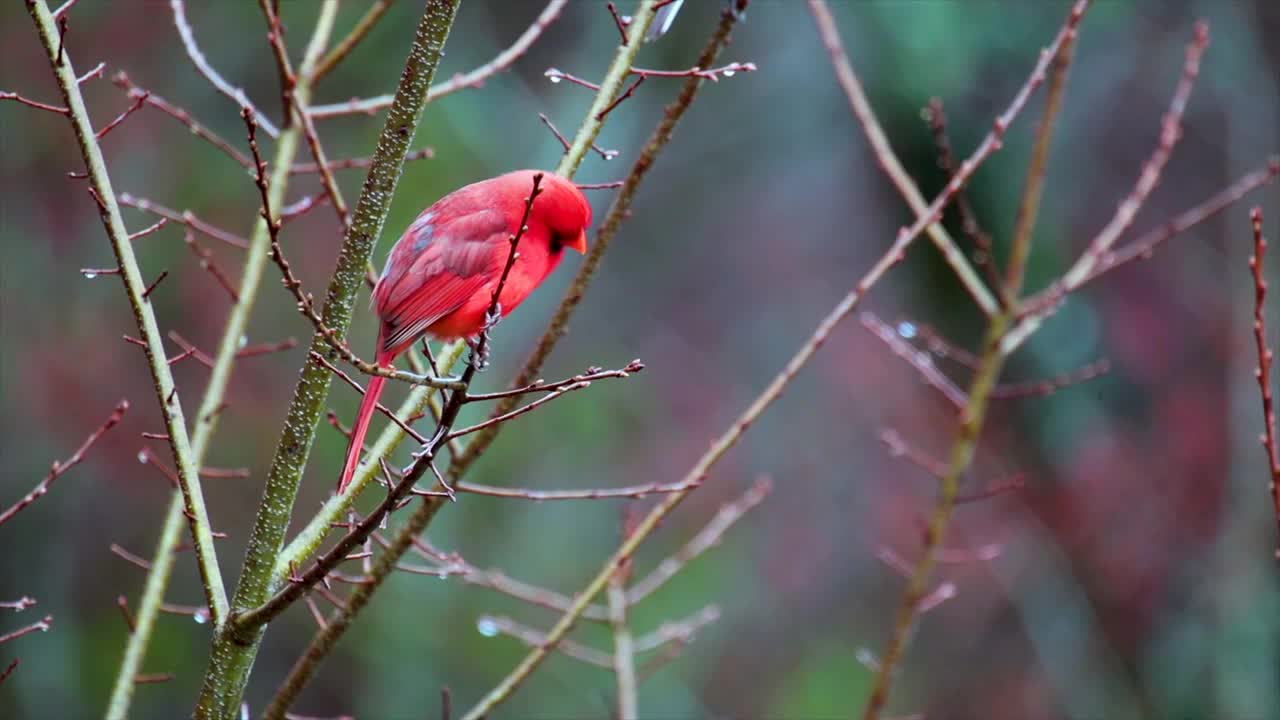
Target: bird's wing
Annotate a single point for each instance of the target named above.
(435, 268)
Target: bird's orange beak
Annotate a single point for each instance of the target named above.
(580, 243)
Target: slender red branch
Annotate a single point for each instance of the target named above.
(61, 467)
(621, 98)
(122, 81)
(1265, 358)
(618, 22)
(149, 229)
(137, 103)
(32, 103)
(186, 217)
(42, 626)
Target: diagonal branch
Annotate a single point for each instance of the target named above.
(475, 78)
(60, 467)
(1265, 357)
(888, 160)
(179, 9)
(706, 538)
(144, 315)
(1170, 134)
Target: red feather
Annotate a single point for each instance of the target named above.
(441, 274)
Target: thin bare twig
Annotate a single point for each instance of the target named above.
(61, 467)
(888, 160)
(1265, 358)
(32, 103)
(137, 103)
(40, 625)
(712, 74)
(454, 565)
(179, 9)
(495, 625)
(122, 81)
(475, 78)
(186, 217)
(634, 492)
(918, 359)
(706, 539)
(1144, 247)
(983, 253)
(1170, 134)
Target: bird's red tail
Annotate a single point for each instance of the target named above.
(361, 427)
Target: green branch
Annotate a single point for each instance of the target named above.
(136, 289)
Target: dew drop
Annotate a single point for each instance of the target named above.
(907, 330)
(487, 627)
(244, 340)
(555, 78)
(728, 73)
(142, 456)
(200, 617)
(90, 275)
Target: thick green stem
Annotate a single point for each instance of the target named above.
(233, 650)
(207, 416)
(137, 291)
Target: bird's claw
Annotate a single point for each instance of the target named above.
(479, 354)
(493, 317)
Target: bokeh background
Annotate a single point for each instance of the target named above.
(1134, 576)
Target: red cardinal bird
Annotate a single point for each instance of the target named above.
(441, 274)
